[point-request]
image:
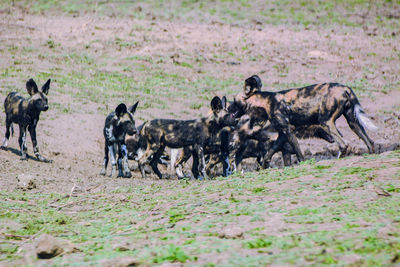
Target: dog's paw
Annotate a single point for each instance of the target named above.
(127, 175)
(42, 159)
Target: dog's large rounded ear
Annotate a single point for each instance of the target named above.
(224, 102)
(216, 104)
(258, 82)
(46, 87)
(252, 85)
(120, 110)
(132, 109)
(31, 87)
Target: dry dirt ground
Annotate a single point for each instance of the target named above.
(174, 69)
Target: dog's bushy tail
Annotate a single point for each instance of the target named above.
(363, 119)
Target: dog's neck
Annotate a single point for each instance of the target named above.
(32, 110)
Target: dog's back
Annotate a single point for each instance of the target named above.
(173, 133)
(15, 106)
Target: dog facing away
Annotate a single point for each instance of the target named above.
(161, 133)
(118, 123)
(318, 104)
(25, 113)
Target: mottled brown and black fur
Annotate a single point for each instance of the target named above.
(25, 112)
(216, 147)
(252, 140)
(161, 133)
(117, 125)
(318, 104)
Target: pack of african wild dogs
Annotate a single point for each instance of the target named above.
(255, 124)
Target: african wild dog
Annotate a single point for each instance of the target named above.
(161, 133)
(216, 148)
(118, 123)
(137, 144)
(252, 140)
(25, 113)
(319, 104)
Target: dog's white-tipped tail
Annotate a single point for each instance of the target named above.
(363, 118)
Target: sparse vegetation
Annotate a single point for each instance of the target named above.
(174, 56)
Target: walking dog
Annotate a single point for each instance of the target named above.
(118, 123)
(25, 113)
(318, 104)
(160, 133)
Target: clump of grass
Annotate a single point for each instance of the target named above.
(173, 254)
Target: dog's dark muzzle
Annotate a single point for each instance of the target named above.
(45, 108)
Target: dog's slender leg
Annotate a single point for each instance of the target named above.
(195, 164)
(32, 132)
(7, 135)
(214, 160)
(5, 143)
(119, 161)
(143, 159)
(105, 162)
(22, 141)
(336, 136)
(292, 139)
(124, 151)
(276, 146)
(155, 159)
(281, 120)
(186, 153)
(111, 148)
(225, 153)
(359, 130)
(239, 155)
(202, 162)
(174, 156)
(286, 155)
(225, 164)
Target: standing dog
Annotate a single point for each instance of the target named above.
(25, 113)
(160, 133)
(118, 123)
(319, 104)
(216, 148)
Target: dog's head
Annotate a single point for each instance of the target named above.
(252, 85)
(38, 97)
(125, 118)
(236, 109)
(220, 112)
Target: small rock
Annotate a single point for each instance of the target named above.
(48, 247)
(231, 233)
(26, 181)
(380, 191)
(122, 246)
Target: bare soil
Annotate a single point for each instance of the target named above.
(280, 55)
